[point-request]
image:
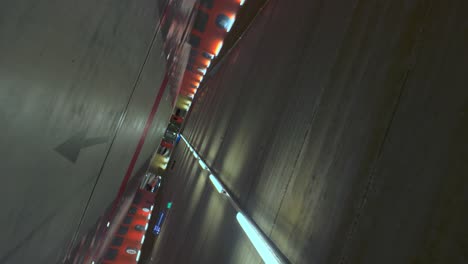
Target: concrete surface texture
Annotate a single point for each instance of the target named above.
(77, 82)
(341, 127)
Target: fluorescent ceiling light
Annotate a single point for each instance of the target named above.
(257, 239)
(202, 164)
(218, 186)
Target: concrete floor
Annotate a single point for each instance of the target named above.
(72, 71)
(341, 127)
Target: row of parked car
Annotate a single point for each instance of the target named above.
(213, 21)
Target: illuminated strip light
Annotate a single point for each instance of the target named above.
(142, 239)
(108, 224)
(257, 239)
(218, 186)
(203, 164)
(190, 147)
(152, 207)
(138, 255)
(146, 226)
(149, 216)
(242, 2)
(195, 154)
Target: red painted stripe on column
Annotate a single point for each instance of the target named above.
(141, 142)
(148, 124)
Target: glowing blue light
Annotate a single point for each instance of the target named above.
(156, 230)
(203, 164)
(256, 238)
(157, 227)
(218, 186)
(161, 217)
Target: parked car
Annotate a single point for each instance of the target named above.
(151, 182)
